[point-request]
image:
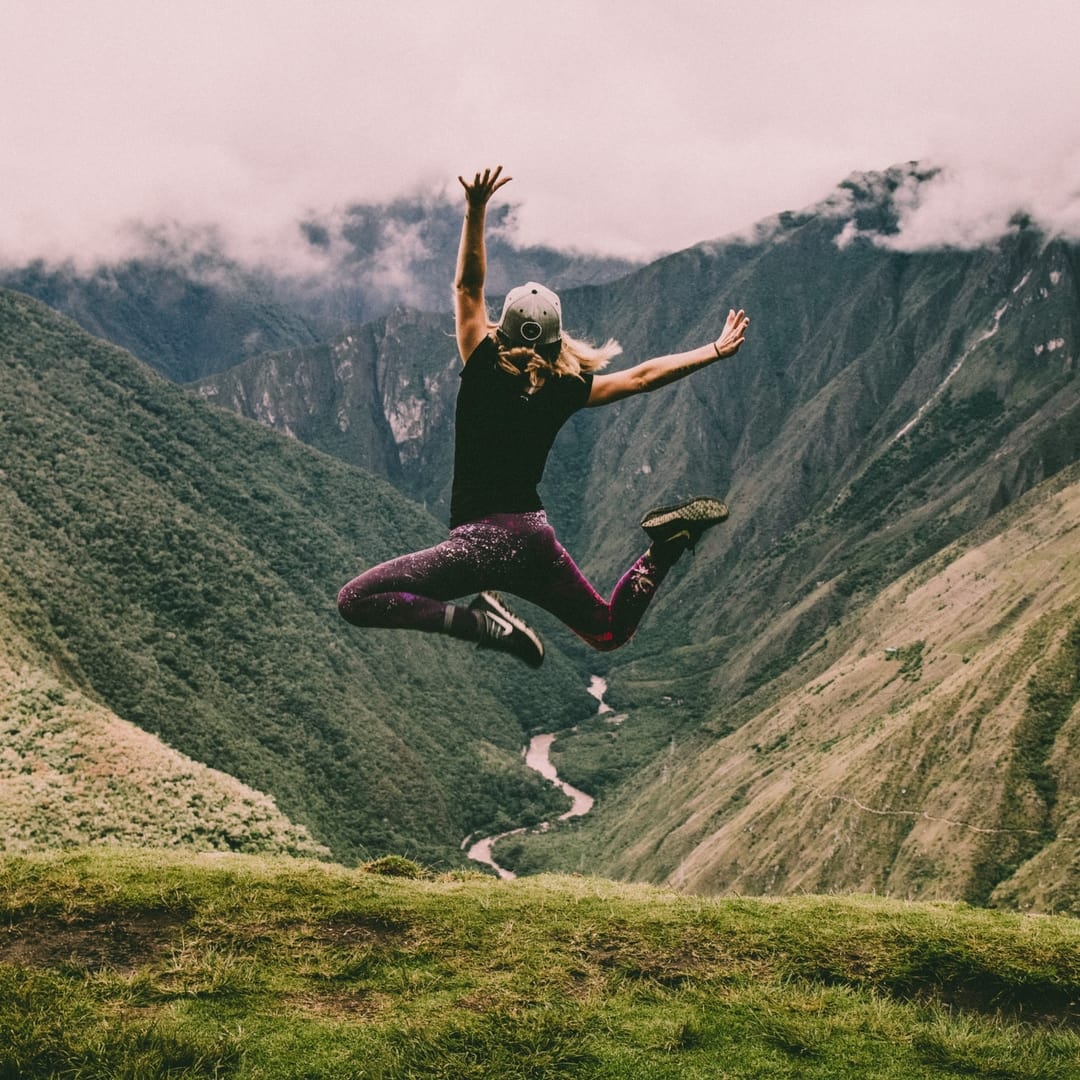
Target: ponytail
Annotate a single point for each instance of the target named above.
(573, 358)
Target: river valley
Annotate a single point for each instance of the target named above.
(538, 758)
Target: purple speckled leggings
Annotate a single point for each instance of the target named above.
(514, 553)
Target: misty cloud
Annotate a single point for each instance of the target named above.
(967, 207)
(262, 126)
(372, 256)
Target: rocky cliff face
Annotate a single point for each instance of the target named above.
(380, 396)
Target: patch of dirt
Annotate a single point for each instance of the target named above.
(359, 1005)
(359, 930)
(110, 941)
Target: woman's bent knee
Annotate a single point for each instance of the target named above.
(347, 599)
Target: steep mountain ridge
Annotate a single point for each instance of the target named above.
(178, 565)
(809, 431)
(925, 748)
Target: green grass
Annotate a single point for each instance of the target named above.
(126, 964)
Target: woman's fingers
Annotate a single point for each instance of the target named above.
(734, 333)
(485, 184)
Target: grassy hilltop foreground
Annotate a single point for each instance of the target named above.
(125, 964)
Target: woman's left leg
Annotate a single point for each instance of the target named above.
(411, 591)
(550, 578)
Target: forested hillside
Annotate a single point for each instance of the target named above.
(72, 773)
(180, 565)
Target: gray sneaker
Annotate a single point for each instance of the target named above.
(683, 521)
(504, 631)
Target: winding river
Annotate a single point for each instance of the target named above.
(538, 758)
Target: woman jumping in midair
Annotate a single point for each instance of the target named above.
(522, 380)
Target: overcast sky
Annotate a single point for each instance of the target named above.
(629, 127)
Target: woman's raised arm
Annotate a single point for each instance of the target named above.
(470, 312)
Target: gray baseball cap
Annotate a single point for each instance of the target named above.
(531, 316)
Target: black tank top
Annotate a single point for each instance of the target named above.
(503, 435)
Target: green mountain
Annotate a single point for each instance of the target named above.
(178, 566)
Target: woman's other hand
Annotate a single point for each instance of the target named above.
(734, 333)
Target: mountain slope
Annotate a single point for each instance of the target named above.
(185, 317)
(885, 404)
(72, 774)
(179, 565)
(924, 748)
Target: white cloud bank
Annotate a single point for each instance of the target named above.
(630, 127)
(974, 204)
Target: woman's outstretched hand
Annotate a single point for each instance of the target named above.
(483, 187)
(734, 333)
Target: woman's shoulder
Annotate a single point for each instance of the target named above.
(486, 349)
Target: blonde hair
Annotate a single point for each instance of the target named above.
(575, 356)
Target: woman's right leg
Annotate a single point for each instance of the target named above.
(414, 592)
(552, 580)
(411, 592)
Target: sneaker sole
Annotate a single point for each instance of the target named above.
(693, 511)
